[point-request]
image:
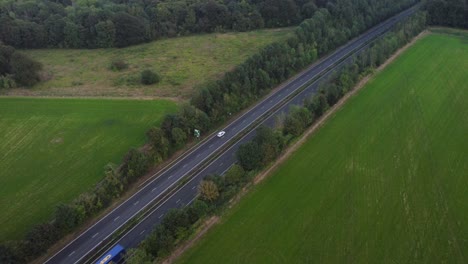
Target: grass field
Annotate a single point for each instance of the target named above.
(385, 180)
(182, 63)
(52, 150)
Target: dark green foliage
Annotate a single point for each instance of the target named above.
(159, 142)
(268, 143)
(324, 31)
(138, 256)
(176, 226)
(7, 255)
(134, 165)
(107, 23)
(24, 69)
(17, 68)
(235, 176)
(129, 30)
(41, 237)
(297, 121)
(452, 13)
(249, 156)
(68, 217)
(149, 77)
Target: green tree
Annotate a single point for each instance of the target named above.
(105, 31)
(208, 191)
(249, 156)
(178, 137)
(235, 175)
(158, 141)
(149, 77)
(67, 217)
(24, 69)
(138, 256)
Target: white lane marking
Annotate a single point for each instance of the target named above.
(210, 146)
(95, 235)
(170, 176)
(115, 219)
(177, 201)
(71, 253)
(141, 233)
(161, 216)
(227, 169)
(377, 27)
(221, 164)
(185, 166)
(135, 203)
(193, 188)
(154, 189)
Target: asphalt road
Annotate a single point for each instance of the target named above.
(93, 237)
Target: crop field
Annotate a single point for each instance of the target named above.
(52, 150)
(385, 180)
(182, 63)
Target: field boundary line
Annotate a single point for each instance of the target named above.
(291, 149)
(333, 110)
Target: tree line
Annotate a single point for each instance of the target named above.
(215, 191)
(115, 23)
(17, 69)
(212, 104)
(451, 13)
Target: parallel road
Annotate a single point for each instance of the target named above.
(93, 237)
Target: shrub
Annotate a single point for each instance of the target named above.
(118, 65)
(149, 77)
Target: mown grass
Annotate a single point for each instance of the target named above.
(383, 181)
(183, 63)
(51, 150)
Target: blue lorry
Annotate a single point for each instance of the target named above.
(115, 255)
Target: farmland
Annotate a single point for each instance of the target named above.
(54, 149)
(383, 181)
(182, 63)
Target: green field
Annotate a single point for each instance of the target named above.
(52, 150)
(182, 63)
(385, 180)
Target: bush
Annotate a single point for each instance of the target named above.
(24, 69)
(118, 65)
(149, 77)
(7, 82)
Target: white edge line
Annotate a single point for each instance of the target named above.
(301, 74)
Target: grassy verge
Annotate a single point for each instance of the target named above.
(54, 149)
(183, 63)
(383, 181)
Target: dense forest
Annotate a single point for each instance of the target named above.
(109, 23)
(452, 13)
(119, 23)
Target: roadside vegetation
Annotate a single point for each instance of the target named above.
(216, 192)
(212, 103)
(54, 149)
(182, 64)
(384, 180)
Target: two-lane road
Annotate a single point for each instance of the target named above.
(93, 237)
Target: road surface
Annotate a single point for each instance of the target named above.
(79, 248)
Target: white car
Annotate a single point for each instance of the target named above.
(221, 133)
